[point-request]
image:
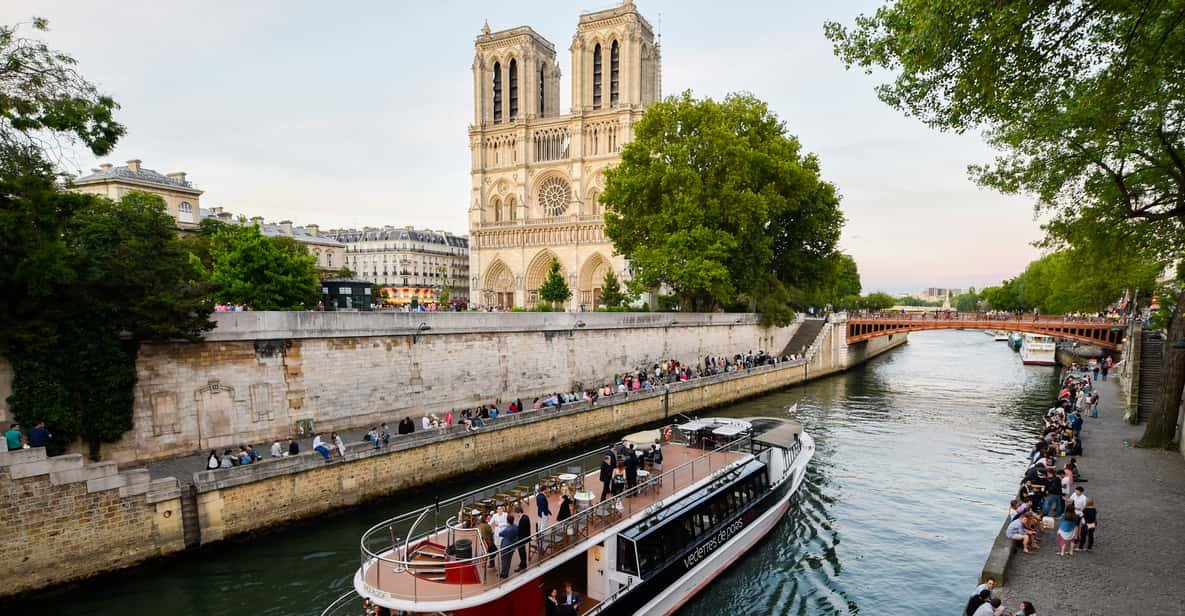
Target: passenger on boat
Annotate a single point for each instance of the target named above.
(499, 520)
(524, 536)
(552, 603)
(571, 598)
(542, 510)
(631, 467)
(565, 506)
(617, 485)
(607, 468)
(509, 536)
(487, 538)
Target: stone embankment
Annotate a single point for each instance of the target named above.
(52, 506)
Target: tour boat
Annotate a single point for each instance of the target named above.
(645, 551)
(1038, 350)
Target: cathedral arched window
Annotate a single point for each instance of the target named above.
(614, 66)
(497, 92)
(513, 88)
(510, 215)
(597, 76)
(497, 207)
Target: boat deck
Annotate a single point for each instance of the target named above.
(683, 466)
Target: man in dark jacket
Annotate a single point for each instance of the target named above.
(542, 508)
(631, 468)
(524, 537)
(606, 476)
(509, 536)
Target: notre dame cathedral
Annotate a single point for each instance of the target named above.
(537, 173)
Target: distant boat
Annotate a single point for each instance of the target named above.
(1000, 336)
(1014, 341)
(1038, 350)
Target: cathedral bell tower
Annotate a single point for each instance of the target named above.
(615, 62)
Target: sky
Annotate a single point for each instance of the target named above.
(356, 114)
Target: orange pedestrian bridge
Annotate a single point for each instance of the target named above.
(1103, 332)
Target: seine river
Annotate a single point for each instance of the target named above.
(917, 453)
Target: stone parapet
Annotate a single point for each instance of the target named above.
(252, 325)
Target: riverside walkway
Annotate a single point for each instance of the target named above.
(1139, 553)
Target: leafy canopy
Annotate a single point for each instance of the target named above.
(718, 203)
(261, 272)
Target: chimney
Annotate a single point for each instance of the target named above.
(105, 167)
(313, 230)
(286, 225)
(178, 175)
(257, 220)
(134, 165)
(216, 210)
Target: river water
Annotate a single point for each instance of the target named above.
(917, 453)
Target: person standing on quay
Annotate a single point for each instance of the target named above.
(1090, 522)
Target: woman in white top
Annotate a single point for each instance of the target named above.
(427, 423)
(276, 451)
(339, 444)
(499, 521)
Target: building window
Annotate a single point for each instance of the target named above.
(614, 65)
(497, 93)
(329, 259)
(513, 89)
(554, 195)
(596, 76)
(185, 212)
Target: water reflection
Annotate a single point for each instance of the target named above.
(916, 455)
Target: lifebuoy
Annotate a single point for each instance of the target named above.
(666, 433)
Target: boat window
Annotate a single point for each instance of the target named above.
(627, 559)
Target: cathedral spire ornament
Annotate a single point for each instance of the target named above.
(485, 28)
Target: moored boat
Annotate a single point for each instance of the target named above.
(1038, 350)
(1000, 335)
(720, 487)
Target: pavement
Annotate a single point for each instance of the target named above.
(1139, 551)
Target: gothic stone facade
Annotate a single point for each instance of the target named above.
(536, 173)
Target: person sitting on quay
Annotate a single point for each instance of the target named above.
(244, 457)
(339, 446)
(293, 447)
(321, 447)
(213, 461)
(1017, 531)
(39, 435)
(277, 450)
(406, 426)
(13, 437)
(426, 422)
(228, 460)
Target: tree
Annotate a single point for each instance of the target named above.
(261, 272)
(554, 290)
(46, 104)
(344, 272)
(879, 301)
(717, 202)
(129, 279)
(611, 295)
(965, 302)
(1085, 101)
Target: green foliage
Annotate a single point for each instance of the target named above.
(120, 276)
(344, 272)
(611, 295)
(1085, 101)
(965, 302)
(717, 202)
(554, 289)
(1079, 280)
(445, 296)
(909, 300)
(46, 104)
(261, 272)
(873, 301)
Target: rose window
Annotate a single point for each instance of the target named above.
(554, 195)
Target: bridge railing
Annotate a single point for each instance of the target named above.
(1002, 317)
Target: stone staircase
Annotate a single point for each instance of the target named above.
(1151, 362)
(807, 332)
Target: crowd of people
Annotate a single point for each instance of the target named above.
(1052, 497)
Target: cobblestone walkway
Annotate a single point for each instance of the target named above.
(1139, 553)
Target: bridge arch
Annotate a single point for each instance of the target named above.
(1101, 332)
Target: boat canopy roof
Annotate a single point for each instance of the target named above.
(784, 435)
(730, 430)
(643, 438)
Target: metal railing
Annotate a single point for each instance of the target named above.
(380, 559)
(349, 604)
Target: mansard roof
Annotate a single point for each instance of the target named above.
(142, 175)
(407, 234)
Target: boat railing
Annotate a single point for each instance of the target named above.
(349, 604)
(467, 577)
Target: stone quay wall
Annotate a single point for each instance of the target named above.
(303, 486)
(258, 374)
(62, 520)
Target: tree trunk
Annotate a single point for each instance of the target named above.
(1162, 423)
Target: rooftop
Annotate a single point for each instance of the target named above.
(135, 174)
(408, 234)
